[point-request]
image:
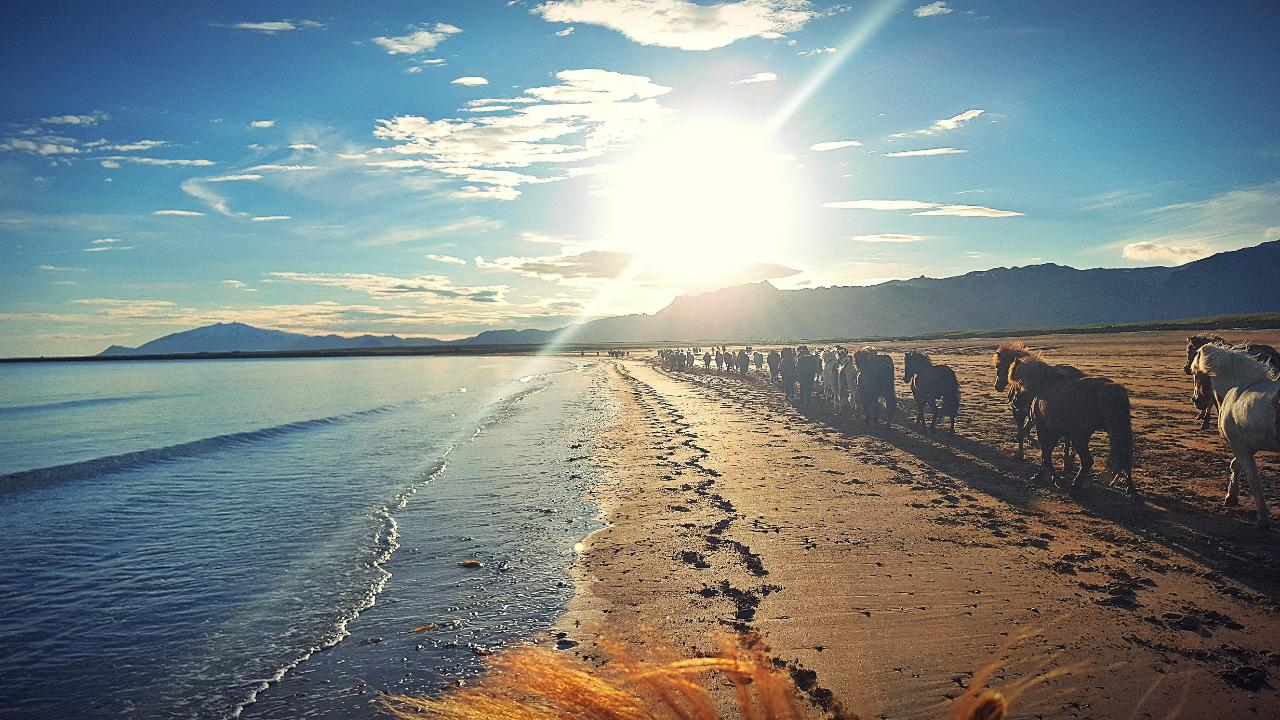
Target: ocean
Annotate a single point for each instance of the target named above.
(282, 538)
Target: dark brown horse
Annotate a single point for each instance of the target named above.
(1019, 400)
(1075, 408)
(875, 383)
(1202, 391)
(929, 384)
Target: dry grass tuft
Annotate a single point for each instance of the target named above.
(532, 683)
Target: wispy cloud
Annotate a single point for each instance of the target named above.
(59, 269)
(41, 146)
(933, 9)
(448, 259)
(270, 218)
(158, 162)
(586, 114)
(565, 32)
(80, 120)
(684, 24)
(239, 285)
(420, 38)
(107, 244)
(923, 208)
(426, 287)
(890, 238)
(834, 145)
(470, 81)
(760, 77)
(926, 152)
(817, 51)
(262, 123)
(592, 264)
(271, 27)
(1182, 232)
(466, 226)
(178, 213)
(954, 122)
(1167, 253)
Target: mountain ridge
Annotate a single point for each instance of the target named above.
(1034, 296)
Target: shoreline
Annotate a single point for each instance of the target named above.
(884, 568)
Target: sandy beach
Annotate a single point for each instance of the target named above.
(885, 567)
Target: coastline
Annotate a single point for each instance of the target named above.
(884, 568)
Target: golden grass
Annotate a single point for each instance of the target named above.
(532, 683)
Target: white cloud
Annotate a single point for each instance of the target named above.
(816, 51)
(281, 168)
(429, 288)
(682, 23)
(59, 269)
(933, 9)
(939, 126)
(304, 146)
(106, 241)
(160, 162)
(834, 145)
(262, 123)
(470, 81)
(1167, 253)
(922, 208)
(927, 152)
(583, 116)
(420, 38)
(106, 146)
(759, 77)
(466, 226)
(178, 213)
(449, 259)
(107, 248)
(42, 146)
(82, 120)
(239, 285)
(271, 27)
(565, 32)
(890, 238)
(270, 218)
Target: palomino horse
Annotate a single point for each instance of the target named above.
(1248, 395)
(1075, 408)
(830, 378)
(1019, 400)
(875, 383)
(929, 384)
(847, 378)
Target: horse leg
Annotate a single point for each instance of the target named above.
(1249, 467)
(1233, 485)
(933, 406)
(1020, 426)
(1047, 441)
(1086, 464)
(920, 413)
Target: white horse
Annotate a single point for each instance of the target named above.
(846, 385)
(1248, 394)
(830, 378)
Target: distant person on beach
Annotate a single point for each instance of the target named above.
(807, 369)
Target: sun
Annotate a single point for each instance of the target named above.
(702, 203)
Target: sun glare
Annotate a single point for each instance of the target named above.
(702, 202)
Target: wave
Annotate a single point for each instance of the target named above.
(112, 463)
(386, 542)
(74, 404)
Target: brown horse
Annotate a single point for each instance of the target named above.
(929, 384)
(1019, 400)
(1075, 408)
(1202, 391)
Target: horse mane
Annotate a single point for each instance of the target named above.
(1205, 339)
(1014, 351)
(917, 354)
(1220, 360)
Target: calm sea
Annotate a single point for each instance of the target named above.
(262, 538)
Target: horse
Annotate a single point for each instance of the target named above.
(929, 384)
(775, 365)
(847, 379)
(1076, 408)
(1019, 400)
(1202, 396)
(806, 373)
(830, 381)
(875, 383)
(788, 371)
(1248, 395)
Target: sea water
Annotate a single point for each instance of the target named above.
(281, 538)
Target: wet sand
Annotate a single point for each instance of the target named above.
(884, 567)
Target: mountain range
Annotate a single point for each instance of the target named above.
(1035, 296)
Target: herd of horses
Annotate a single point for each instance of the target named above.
(1063, 405)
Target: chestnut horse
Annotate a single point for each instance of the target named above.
(1019, 400)
(929, 384)
(1075, 408)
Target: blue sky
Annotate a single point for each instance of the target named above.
(442, 168)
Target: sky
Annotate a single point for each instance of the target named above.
(439, 168)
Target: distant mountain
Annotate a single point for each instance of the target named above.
(238, 337)
(1037, 296)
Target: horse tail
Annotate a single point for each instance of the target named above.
(950, 394)
(891, 396)
(1113, 401)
